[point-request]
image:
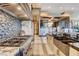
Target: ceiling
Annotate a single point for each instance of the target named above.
(55, 9)
(15, 8)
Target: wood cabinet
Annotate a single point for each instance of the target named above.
(73, 52)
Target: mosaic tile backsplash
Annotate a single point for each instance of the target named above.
(9, 26)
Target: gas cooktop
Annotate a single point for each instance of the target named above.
(14, 42)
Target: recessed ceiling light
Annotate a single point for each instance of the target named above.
(19, 8)
(72, 8)
(61, 8)
(49, 7)
(25, 15)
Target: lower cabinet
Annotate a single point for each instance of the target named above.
(73, 52)
(62, 47)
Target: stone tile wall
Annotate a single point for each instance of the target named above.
(9, 26)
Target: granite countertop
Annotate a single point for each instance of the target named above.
(8, 51)
(11, 51)
(73, 43)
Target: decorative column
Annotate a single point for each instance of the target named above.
(36, 18)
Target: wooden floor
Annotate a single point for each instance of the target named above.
(40, 47)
